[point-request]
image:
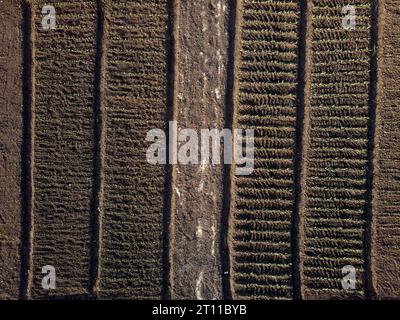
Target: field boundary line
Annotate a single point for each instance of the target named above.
(28, 150)
(27, 154)
(229, 170)
(170, 170)
(234, 100)
(302, 146)
(374, 126)
(97, 210)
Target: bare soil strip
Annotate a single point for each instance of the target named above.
(387, 164)
(267, 84)
(198, 190)
(335, 208)
(11, 133)
(135, 96)
(64, 144)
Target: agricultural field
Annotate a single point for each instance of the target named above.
(266, 101)
(135, 101)
(336, 202)
(63, 140)
(89, 88)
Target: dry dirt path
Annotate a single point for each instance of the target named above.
(200, 93)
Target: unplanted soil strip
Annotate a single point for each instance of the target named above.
(198, 189)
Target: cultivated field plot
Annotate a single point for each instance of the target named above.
(134, 102)
(266, 102)
(62, 155)
(336, 201)
(84, 214)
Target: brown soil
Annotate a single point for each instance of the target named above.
(336, 202)
(198, 189)
(387, 165)
(77, 102)
(261, 217)
(131, 239)
(63, 147)
(11, 118)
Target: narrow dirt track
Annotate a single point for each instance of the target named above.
(198, 189)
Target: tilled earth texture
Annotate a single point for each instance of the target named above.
(111, 187)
